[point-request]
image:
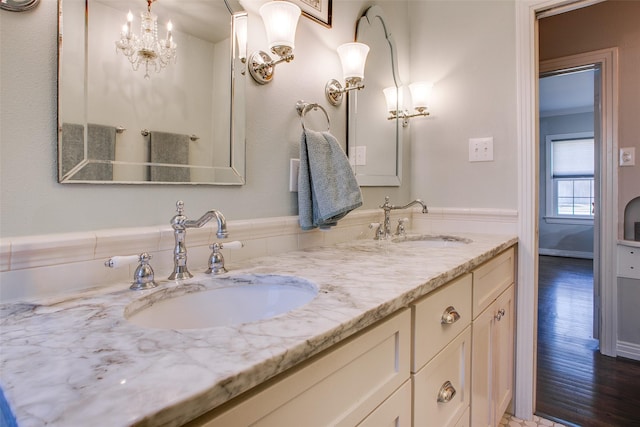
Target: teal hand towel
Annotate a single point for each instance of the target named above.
(172, 149)
(101, 147)
(327, 187)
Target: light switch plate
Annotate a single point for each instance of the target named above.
(294, 169)
(628, 156)
(358, 155)
(481, 149)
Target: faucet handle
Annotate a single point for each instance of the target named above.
(379, 231)
(180, 207)
(143, 277)
(216, 260)
(119, 261)
(401, 230)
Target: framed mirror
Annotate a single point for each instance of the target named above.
(180, 121)
(374, 142)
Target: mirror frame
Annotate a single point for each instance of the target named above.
(370, 180)
(235, 174)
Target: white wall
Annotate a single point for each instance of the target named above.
(466, 48)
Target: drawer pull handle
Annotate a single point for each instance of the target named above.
(500, 314)
(446, 392)
(449, 316)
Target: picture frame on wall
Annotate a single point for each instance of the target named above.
(317, 10)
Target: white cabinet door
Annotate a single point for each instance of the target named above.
(492, 357)
(503, 352)
(492, 361)
(481, 368)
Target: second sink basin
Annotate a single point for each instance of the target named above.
(431, 241)
(238, 299)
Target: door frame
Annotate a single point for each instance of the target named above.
(527, 71)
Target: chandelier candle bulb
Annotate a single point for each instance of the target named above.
(129, 22)
(146, 49)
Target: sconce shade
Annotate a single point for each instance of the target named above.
(241, 35)
(280, 21)
(353, 57)
(420, 94)
(394, 98)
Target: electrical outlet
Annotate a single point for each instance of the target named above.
(358, 155)
(628, 156)
(294, 169)
(481, 149)
(361, 155)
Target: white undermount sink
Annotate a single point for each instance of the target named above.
(431, 241)
(236, 299)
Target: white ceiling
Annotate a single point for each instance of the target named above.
(567, 93)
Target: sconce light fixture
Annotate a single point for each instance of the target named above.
(146, 48)
(353, 57)
(420, 95)
(280, 21)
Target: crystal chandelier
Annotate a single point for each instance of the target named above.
(146, 49)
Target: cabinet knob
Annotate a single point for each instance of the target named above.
(500, 314)
(446, 392)
(449, 316)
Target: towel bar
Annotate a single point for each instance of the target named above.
(146, 132)
(303, 108)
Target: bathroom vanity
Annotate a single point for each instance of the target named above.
(398, 332)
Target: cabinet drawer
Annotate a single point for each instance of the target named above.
(339, 387)
(491, 279)
(628, 262)
(394, 412)
(431, 328)
(452, 365)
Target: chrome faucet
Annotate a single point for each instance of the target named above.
(385, 233)
(180, 223)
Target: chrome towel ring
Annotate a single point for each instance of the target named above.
(304, 107)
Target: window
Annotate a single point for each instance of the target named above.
(570, 176)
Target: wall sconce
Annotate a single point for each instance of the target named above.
(280, 21)
(353, 57)
(420, 95)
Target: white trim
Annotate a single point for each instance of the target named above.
(586, 221)
(527, 125)
(565, 254)
(606, 238)
(566, 111)
(526, 299)
(629, 350)
(564, 6)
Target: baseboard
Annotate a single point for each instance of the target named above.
(628, 350)
(564, 253)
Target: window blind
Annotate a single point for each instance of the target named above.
(572, 158)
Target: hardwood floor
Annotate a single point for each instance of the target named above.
(575, 383)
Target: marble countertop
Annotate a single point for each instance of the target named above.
(75, 360)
